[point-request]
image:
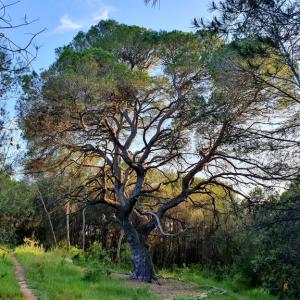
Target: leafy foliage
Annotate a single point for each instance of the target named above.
(273, 243)
(123, 104)
(16, 208)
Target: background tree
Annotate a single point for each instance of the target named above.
(211, 225)
(17, 209)
(272, 238)
(278, 21)
(65, 211)
(270, 30)
(122, 102)
(15, 58)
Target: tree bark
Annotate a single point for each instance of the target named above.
(83, 229)
(68, 225)
(143, 269)
(48, 215)
(119, 246)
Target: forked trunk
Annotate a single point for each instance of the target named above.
(143, 268)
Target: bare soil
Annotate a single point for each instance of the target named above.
(25, 290)
(166, 287)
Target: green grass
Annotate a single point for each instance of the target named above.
(9, 288)
(234, 289)
(52, 278)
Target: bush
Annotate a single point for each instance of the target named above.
(125, 255)
(96, 270)
(4, 250)
(30, 245)
(271, 257)
(97, 252)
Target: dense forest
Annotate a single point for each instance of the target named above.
(159, 151)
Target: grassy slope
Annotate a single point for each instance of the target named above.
(9, 288)
(53, 278)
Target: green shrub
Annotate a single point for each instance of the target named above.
(97, 252)
(125, 255)
(30, 245)
(73, 253)
(271, 258)
(96, 270)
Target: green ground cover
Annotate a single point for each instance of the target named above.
(9, 288)
(52, 275)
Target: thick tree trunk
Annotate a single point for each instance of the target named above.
(143, 268)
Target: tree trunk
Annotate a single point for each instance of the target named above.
(143, 268)
(119, 246)
(48, 215)
(68, 225)
(68, 218)
(83, 229)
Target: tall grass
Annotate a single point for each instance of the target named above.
(71, 275)
(53, 276)
(9, 288)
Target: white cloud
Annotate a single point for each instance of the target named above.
(102, 15)
(66, 24)
(90, 3)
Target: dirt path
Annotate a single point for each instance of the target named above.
(25, 290)
(169, 288)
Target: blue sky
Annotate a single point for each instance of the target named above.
(64, 18)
